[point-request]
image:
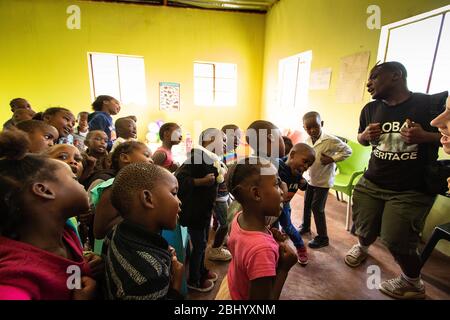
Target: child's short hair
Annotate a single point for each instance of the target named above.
(120, 123)
(18, 170)
(228, 127)
(288, 144)
(245, 170)
(132, 179)
(93, 132)
(207, 134)
(13, 103)
(312, 114)
(31, 126)
(303, 148)
(124, 148)
(81, 114)
(97, 105)
(252, 135)
(165, 128)
(54, 110)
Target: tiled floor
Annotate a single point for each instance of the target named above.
(328, 277)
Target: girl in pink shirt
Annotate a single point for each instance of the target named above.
(170, 135)
(40, 257)
(261, 258)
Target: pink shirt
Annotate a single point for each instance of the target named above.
(169, 158)
(30, 273)
(255, 255)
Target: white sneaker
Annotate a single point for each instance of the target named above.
(355, 256)
(400, 288)
(219, 254)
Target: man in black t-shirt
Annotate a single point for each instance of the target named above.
(389, 200)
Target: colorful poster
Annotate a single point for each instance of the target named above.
(169, 96)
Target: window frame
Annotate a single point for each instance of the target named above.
(116, 55)
(386, 29)
(214, 86)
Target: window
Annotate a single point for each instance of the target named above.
(122, 77)
(215, 84)
(293, 86)
(422, 45)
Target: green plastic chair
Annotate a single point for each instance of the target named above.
(349, 172)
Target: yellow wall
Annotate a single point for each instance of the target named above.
(43, 61)
(331, 29)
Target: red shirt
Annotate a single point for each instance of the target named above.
(255, 255)
(30, 273)
(169, 158)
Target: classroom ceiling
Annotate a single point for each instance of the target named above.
(260, 6)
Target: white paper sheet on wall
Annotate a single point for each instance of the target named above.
(352, 78)
(320, 79)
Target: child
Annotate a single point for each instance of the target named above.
(234, 136)
(260, 265)
(96, 142)
(198, 179)
(71, 155)
(170, 135)
(290, 170)
(266, 140)
(217, 251)
(22, 115)
(104, 107)
(68, 154)
(16, 104)
(40, 134)
(37, 249)
(81, 131)
(63, 120)
(288, 145)
(105, 215)
(126, 131)
(146, 197)
(329, 150)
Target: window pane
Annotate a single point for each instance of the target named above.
(441, 74)
(288, 84)
(225, 98)
(132, 80)
(413, 45)
(204, 84)
(226, 70)
(105, 75)
(203, 70)
(226, 85)
(203, 98)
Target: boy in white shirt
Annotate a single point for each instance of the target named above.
(329, 150)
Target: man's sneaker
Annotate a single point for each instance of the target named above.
(218, 254)
(211, 276)
(400, 288)
(203, 286)
(302, 256)
(318, 242)
(355, 256)
(304, 230)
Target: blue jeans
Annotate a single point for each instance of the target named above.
(197, 269)
(288, 227)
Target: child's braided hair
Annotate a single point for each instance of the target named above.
(18, 170)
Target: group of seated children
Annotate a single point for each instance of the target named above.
(66, 189)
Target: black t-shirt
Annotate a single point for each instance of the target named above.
(293, 181)
(394, 164)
